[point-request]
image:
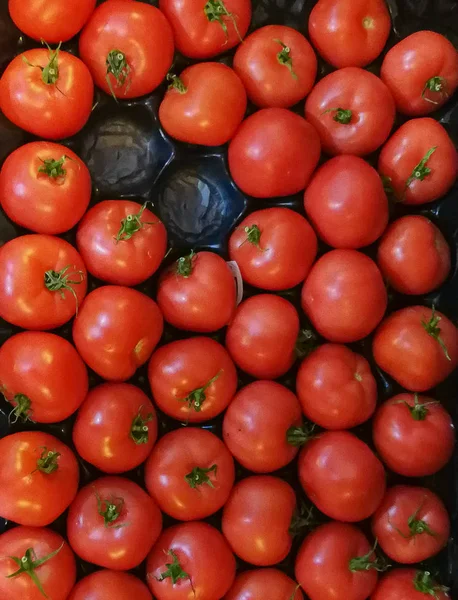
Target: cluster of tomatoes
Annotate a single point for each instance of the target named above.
(127, 48)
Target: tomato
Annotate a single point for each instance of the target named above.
(344, 296)
(346, 203)
(262, 336)
(110, 585)
(417, 346)
(115, 428)
(411, 524)
(47, 92)
(113, 523)
(257, 518)
(277, 66)
(273, 153)
(116, 331)
(264, 583)
(128, 48)
(409, 584)
(349, 33)
(261, 426)
(419, 162)
(35, 563)
(197, 293)
(44, 187)
(192, 380)
(121, 242)
(42, 376)
(43, 281)
(204, 105)
(274, 248)
(341, 476)
(352, 110)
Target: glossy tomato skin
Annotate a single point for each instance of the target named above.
(399, 584)
(344, 296)
(107, 585)
(104, 432)
(199, 365)
(284, 253)
(273, 153)
(264, 583)
(116, 330)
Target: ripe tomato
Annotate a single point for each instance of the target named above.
(262, 336)
(190, 474)
(39, 476)
(47, 92)
(115, 428)
(42, 376)
(277, 66)
(352, 110)
(419, 162)
(264, 583)
(113, 523)
(43, 281)
(44, 187)
(414, 435)
(411, 524)
(349, 33)
(116, 331)
(121, 242)
(344, 296)
(110, 585)
(197, 293)
(274, 248)
(409, 584)
(257, 518)
(417, 346)
(192, 380)
(273, 153)
(128, 48)
(341, 476)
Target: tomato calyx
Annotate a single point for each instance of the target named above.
(119, 68)
(367, 562)
(432, 329)
(29, 562)
(215, 11)
(284, 57)
(199, 476)
(22, 410)
(416, 526)
(387, 184)
(174, 570)
(342, 115)
(305, 343)
(436, 85)
(49, 73)
(303, 519)
(139, 430)
(185, 264)
(110, 509)
(253, 236)
(294, 592)
(176, 83)
(47, 463)
(424, 583)
(53, 168)
(132, 223)
(421, 170)
(298, 436)
(197, 397)
(58, 281)
(419, 410)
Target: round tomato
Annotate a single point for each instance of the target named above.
(43, 281)
(42, 376)
(411, 524)
(197, 293)
(110, 585)
(417, 346)
(116, 331)
(409, 584)
(115, 428)
(273, 153)
(121, 242)
(113, 523)
(264, 583)
(344, 296)
(274, 248)
(128, 47)
(192, 380)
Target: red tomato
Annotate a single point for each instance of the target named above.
(113, 523)
(409, 584)
(43, 281)
(264, 583)
(274, 248)
(273, 153)
(344, 296)
(257, 518)
(115, 428)
(277, 66)
(417, 346)
(197, 293)
(110, 585)
(421, 72)
(352, 110)
(47, 92)
(121, 242)
(262, 336)
(116, 331)
(349, 33)
(43, 376)
(192, 380)
(190, 474)
(411, 524)
(341, 476)
(336, 387)
(128, 48)
(39, 476)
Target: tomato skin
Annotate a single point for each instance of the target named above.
(110, 585)
(263, 583)
(398, 584)
(273, 153)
